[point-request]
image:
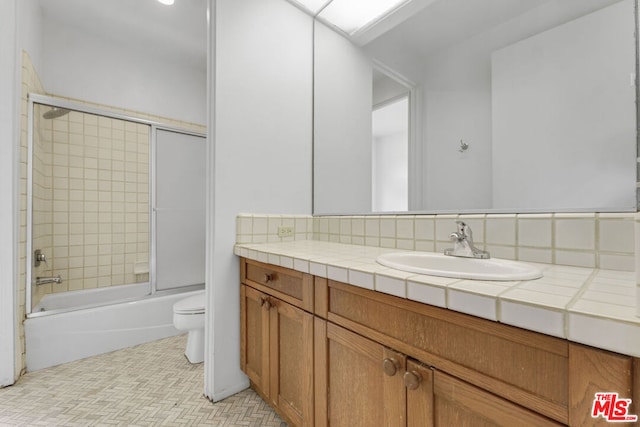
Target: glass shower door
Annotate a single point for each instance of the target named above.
(179, 209)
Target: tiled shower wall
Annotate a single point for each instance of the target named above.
(591, 240)
(95, 213)
(30, 84)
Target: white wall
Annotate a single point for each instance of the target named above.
(342, 125)
(9, 134)
(92, 68)
(566, 108)
(390, 153)
(261, 133)
(457, 106)
(31, 31)
(390, 171)
(386, 89)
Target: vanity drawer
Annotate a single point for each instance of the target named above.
(291, 286)
(525, 367)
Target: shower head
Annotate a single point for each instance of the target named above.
(55, 112)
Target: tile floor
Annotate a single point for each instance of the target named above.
(147, 385)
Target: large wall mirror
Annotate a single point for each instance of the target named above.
(479, 106)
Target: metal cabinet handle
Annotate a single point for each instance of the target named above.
(390, 366)
(269, 277)
(412, 380)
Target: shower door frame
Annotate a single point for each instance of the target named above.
(154, 126)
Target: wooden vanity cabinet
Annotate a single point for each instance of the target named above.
(339, 355)
(371, 385)
(277, 339)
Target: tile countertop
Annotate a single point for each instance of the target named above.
(584, 305)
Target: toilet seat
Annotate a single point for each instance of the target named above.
(192, 305)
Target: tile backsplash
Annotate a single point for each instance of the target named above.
(593, 240)
(252, 228)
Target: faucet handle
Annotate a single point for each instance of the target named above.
(464, 230)
(39, 257)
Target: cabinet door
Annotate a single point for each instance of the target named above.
(254, 336)
(418, 379)
(291, 362)
(458, 403)
(364, 381)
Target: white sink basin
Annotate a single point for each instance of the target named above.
(435, 264)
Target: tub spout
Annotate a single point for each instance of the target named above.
(45, 280)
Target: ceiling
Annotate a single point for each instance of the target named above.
(179, 30)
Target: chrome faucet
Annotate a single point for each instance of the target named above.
(45, 280)
(463, 243)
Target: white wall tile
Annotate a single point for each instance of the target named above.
(535, 255)
(404, 227)
(616, 235)
(504, 252)
(407, 244)
(345, 226)
(575, 233)
(388, 227)
(425, 246)
(372, 226)
(273, 222)
(334, 225)
(445, 225)
(357, 226)
(260, 224)
(387, 242)
(501, 230)
(424, 228)
(617, 262)
(346, 239)
(372, 241)
(244, 224)
(578, 259)
(534, 232)
(301, 225)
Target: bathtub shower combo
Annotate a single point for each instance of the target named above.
(115, 230)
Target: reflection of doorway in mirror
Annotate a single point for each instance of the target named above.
(390, 169)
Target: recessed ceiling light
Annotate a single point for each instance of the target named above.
(167, 2)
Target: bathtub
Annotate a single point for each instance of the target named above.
(73, 325)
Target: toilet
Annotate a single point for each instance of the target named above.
(188, 315)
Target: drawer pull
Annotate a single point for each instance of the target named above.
(390, 366)
(269, 277)
(412, 380)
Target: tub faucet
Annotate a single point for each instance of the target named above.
(45, 280)
(463, 243)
